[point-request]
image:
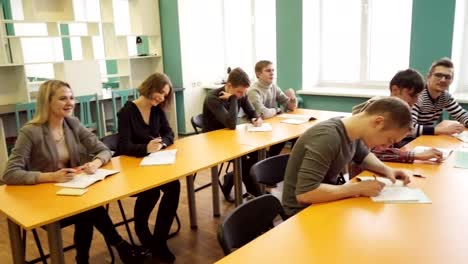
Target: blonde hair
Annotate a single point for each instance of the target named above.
(46, 92)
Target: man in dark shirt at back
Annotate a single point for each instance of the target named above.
(220, 110)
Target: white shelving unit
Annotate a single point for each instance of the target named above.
(99, 31)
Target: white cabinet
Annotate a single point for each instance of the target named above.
(77, 41)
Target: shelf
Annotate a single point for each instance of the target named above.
(144, 57)
(115, 75)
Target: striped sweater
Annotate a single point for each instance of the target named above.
(427, 111)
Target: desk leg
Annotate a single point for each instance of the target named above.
(17, 249)
(215, 190)
(262, 154)
(191, 202)
(238, 180)
(54, 236)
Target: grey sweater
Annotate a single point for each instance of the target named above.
(319, 156)
(265, 97)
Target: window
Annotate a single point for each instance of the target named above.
(225, 33)
(355, 43)
(460, 48)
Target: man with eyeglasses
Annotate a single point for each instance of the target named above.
(406, 85)
(436, 98)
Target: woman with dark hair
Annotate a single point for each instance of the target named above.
(48, 149)
(144, 129)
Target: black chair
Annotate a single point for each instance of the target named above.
(248, 221)
(197, 124)
(112, 141)
(270, 171)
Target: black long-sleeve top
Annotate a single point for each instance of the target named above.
(135, 134)
(218, 113)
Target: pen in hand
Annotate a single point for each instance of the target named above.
(419, 176)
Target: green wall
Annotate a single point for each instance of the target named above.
(289, 43)
(168, 10)
(431, 32)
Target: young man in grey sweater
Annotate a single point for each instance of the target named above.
(321, 154)
(265, 96)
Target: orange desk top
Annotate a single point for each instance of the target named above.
(360, 231)
(37, 205)
(281, 131)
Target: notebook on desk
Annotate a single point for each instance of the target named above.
(445, 152)
(396, 192)
(263, 128)
(163, 157)
(84, 180)
(296, 119)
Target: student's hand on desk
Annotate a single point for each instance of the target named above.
(62, 175)
(429, 154)
(368, 188)
(402, 175)
(258, 121)
(224, 95)
(91, 167)
(154, 145)
(448, 127)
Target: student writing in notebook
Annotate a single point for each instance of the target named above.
(434, 99)
(324, 151)
(265, 95)
(48, 149)
(220, 110)
(406, 85)
(144, 129)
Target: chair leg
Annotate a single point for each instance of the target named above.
(125, 221)
(39, 246)
(171, 235)
(111, 253)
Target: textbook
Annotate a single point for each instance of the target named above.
(84, 180)
(164, 157)
(263, 128)
(445, 152)
(296, 119)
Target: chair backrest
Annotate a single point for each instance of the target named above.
(248, 221)
(197, 123)
(86, 114)
(111, 141)
(30, 109)
(270, 171)
(124, 97)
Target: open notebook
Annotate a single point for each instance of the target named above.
(445, 152)
(296, 119)
(397, 192)
(463, 136)
(163, 157)
(263, 128)
(84, 180)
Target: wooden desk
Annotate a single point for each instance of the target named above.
(360, 231)
(33, 206)
(281, 131)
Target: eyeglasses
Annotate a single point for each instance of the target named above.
(439, 76)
